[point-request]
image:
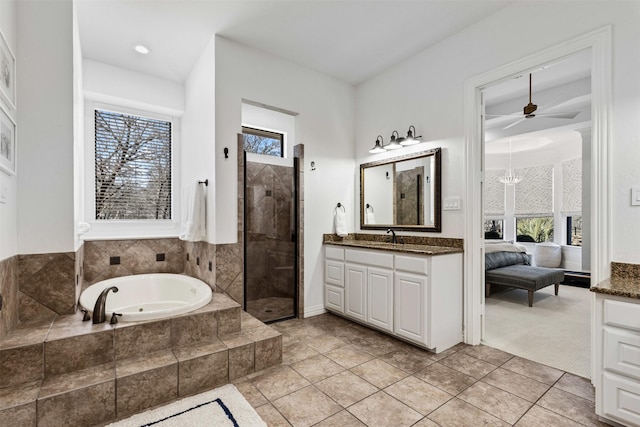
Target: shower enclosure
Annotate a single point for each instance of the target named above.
(270, 237)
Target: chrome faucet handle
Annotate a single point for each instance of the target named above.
(85, 315)
(114, 319)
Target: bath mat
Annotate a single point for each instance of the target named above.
(224, 406)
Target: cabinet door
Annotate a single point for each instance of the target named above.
(380, 298)
(409, 306)
(334, 273)
(355, 291)
(334, 298)
(621, 398)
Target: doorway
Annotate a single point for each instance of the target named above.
(599, 44)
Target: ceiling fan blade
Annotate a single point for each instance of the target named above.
(569, 115)
(514, 123)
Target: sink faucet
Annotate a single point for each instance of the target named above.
(394, 239)
(99, 309)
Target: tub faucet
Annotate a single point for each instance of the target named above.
(394, 239)
(99, 309)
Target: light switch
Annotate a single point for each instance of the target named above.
(451, 204)
(635, 196)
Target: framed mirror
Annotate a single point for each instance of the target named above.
(403, 193)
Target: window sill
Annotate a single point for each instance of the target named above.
(115, 230)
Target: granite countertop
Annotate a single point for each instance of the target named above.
(397, 247)
(628, 287)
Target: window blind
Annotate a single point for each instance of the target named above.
(494, 194)
(572, 187)
(132, 167)
(534, 194)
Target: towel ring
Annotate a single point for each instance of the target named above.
(339, 205)
(369, 207)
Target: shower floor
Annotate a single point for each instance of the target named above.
(271, 308)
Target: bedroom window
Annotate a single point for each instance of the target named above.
(493, 229)
(263, 142)
(534, 229)
(133, 167)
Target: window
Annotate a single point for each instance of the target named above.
(263, 142)
(574, 230)
(133, 167)
(534, 229)
(493, 229)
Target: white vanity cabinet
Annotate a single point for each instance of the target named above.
(617, 373)
(415, 297)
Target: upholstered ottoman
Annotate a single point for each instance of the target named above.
(523, 277)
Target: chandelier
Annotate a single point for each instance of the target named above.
(509, 178)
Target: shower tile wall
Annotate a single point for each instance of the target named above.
(270, 252)
(105, 259)
(9, 292)
(408, 212)
(200, 262)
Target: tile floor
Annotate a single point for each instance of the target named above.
(337, 373)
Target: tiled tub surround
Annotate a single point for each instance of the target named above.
(9, 291)
(86, 374)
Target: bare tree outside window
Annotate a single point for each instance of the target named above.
(262, 142)
(132, 167)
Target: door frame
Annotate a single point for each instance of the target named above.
(599, 43)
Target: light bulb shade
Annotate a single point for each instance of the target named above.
(393, 143)
(510, 178)
(378, 147)
(411, 139)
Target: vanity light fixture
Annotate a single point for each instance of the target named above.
(411, 138)
(393, 144)
(141, 49)
(378, 148)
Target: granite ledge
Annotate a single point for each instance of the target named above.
(621, 287)
(397, 247)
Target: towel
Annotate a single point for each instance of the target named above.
(369, 217)
(193, 227)
(340, 220)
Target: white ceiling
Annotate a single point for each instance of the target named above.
(351, 40)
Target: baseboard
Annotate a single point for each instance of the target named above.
(314, 310)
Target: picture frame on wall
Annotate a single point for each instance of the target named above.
(7, 142)
(7, 73)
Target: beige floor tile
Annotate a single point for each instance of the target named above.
(468, 365)
(324, 343)
(381, 409)
(251, 393)
(425, 422)
(408, 360)
(418, 395)
(544, 374)
(517, 384)
(278, 382)
(376, 345)
(346, 388)
(457, 413)
(540, 417)
(295, 351)
(576, 385)
(271, 416)
(341, 419)
(571, 406)
(447, 379)
(496, 402)
(306, 407)
(349, 356)
(488, 354)
(379, 373)
(317, 368)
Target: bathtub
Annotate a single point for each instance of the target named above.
(149, 296)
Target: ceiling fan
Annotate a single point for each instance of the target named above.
(531, 110)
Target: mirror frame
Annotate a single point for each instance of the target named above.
(437, 188)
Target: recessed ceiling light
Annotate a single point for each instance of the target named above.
(141, 49)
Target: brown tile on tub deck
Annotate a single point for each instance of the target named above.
(62, 355)
(202, 367)
(193, 327)
(21, 364)
(135, 339)
(146, 381)
(18, 404)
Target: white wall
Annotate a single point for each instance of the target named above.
(325, 125)
(45, 134)
(198, 130)
(428, 90)
(9, 183)
(78, 134)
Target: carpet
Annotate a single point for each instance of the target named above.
(555, 331)
(224, 406)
